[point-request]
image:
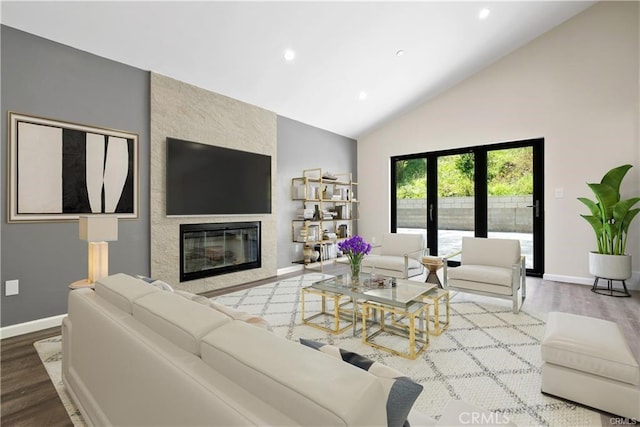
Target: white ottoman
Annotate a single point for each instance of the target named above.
(588, 361)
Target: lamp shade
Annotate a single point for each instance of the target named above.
(98, 228)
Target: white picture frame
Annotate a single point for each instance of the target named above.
(61, 170)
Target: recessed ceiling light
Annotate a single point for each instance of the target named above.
(363, 95)
(289, 55)
(400, 52)
(484, 13)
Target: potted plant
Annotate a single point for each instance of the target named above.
(610, 219)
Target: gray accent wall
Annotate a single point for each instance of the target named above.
(43, 78)
(300, 147)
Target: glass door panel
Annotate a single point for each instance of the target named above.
(411, 195)
(456, 207)
(487, 191)
(510, 213)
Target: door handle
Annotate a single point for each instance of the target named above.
(536, 206)
(431, 212)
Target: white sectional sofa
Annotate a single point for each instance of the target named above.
(136, 355)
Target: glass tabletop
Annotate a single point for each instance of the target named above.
(385, 290)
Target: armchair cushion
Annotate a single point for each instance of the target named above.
(483, 274)
(399, 244)
(388, 262)
(493, 252)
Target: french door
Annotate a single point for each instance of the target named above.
(486, 191)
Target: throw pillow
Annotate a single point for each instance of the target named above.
(157, 283)
(402, 391)
(228, 311)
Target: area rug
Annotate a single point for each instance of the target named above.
(488, 356)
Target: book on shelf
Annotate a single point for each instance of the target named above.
(299, 191)
(313, 233)
(305, 213)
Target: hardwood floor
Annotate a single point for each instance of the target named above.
(28, 397)
(27, 394)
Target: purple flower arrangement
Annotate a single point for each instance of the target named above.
(355, 248)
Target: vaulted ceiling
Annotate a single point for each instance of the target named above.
(355, 65)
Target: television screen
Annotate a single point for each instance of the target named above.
(209, 180)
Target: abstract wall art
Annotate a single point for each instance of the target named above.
(59, 170)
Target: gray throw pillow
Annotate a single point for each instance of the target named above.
(402, 391)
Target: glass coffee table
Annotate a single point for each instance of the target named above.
(400, 301)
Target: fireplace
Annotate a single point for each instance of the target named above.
(220, 248)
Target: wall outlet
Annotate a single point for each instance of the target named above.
(559, 193)
(11, 287)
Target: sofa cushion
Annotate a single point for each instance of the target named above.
(228, 311)
(307, 386)
(402, 391)
(482, 274)
(121, 290)
(589, 345)
(181, 321)
(388, 262)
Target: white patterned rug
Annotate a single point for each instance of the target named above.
(50, 352)
(489, 356)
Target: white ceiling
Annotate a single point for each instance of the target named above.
(342, 48)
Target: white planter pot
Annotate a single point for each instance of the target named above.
(615, 267)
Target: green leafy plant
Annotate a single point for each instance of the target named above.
(610, 217)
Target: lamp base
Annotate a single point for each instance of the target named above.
(98, 261)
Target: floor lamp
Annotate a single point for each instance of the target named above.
(97, 230)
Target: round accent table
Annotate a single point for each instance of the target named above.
(80, 284)
(433, 264)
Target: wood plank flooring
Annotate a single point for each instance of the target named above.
(27, 394)
(28, 397)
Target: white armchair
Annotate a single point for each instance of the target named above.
(398, 256)
(491, 267)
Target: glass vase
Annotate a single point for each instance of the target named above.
(355, 270)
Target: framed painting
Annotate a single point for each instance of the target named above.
(60, 170)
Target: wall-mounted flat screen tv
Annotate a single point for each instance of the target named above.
(205, 179)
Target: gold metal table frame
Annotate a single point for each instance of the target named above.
(418, 336)
(400, 303)
(339, 312)
(433, 298)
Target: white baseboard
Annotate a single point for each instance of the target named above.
(32, 326)
(633, 284)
